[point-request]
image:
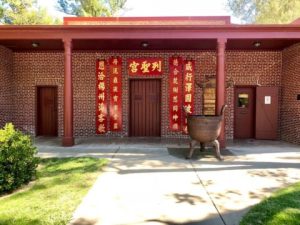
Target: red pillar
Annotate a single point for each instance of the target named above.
(220, 86)
(68, 139)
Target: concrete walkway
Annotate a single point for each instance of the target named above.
(152, 183)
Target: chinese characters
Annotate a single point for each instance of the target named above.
(147, 66)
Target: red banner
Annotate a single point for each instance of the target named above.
(115, 107)
(188, 88)
(175, 93)
(101, 110)
(145, 66)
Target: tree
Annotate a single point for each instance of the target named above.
(24, 12)
(91, 7)
(265, 11)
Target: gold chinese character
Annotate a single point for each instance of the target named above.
(185, 129)
(188, 98)
(175, 126)
(115, 80)
(115, 61)
(101, 65)
(101, 86)
(175, 99)
(115, 70)
(116, 108)
(175, 80)
(188, 77)
(175, 62)
(101, 128)
(156, 66)
(116, 126)
(133, 66)
(175, 117)
(101, 96)
(188, 87)
(115, 98)
(101, 107)
(175, 72)
(115, 88)
(175, 108)
(175, 89)
(115, 116)
(101, 118)
(145, 67)
(101, 75)
(188, 108)
(189, 66)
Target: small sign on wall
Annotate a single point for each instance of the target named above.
(267, 100)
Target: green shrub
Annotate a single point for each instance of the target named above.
(17, 159)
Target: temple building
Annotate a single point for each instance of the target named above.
(132, 76)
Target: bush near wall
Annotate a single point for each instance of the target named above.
(18, 162)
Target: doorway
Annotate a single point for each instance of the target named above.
(145, 108)
(244, 112)
(46, 111)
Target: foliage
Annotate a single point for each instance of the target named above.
(91, 7)
(24, 12)
(265, 11)
(283, 207)
(60, 187)
(17, 159)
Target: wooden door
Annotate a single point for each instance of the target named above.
(244, 108)
(145, 108)
(266, 113)
(47, 111)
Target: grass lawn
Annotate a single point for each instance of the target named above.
(53, 197)
(282, 208)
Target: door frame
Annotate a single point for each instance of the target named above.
(234, 107)
(129, 100)
(37, 87)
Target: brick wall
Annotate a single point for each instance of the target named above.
(46, 68)
(29, 71)
(290, 108)
(5, 85)
(244, 68)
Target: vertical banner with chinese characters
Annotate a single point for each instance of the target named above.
(175, 93)
(101, 107)
(188, 89)
(115, 106)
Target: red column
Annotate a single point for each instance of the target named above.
(220, 86)
(68, 139)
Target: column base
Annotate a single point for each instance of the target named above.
(67, 141)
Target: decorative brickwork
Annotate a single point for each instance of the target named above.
(290, 107)
(47, 68)
(5, 86)
(248, 68)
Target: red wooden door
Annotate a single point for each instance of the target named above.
(47, 111)
(244, 108)
(266, 113)
(145, 108)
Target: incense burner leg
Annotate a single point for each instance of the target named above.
(217, 148)
(202, 147)
(192, 149)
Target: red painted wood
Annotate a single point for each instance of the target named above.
(266, 114)
(145, 108)
(68, 138)
(244, 121)
(47, 111)
(220, 86)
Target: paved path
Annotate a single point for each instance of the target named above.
(155, 185)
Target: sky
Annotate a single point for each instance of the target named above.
(165, 8)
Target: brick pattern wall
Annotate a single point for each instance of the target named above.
(29, 71)
(290, 107)
(245, 68)
(5, 86)
(47, 68)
